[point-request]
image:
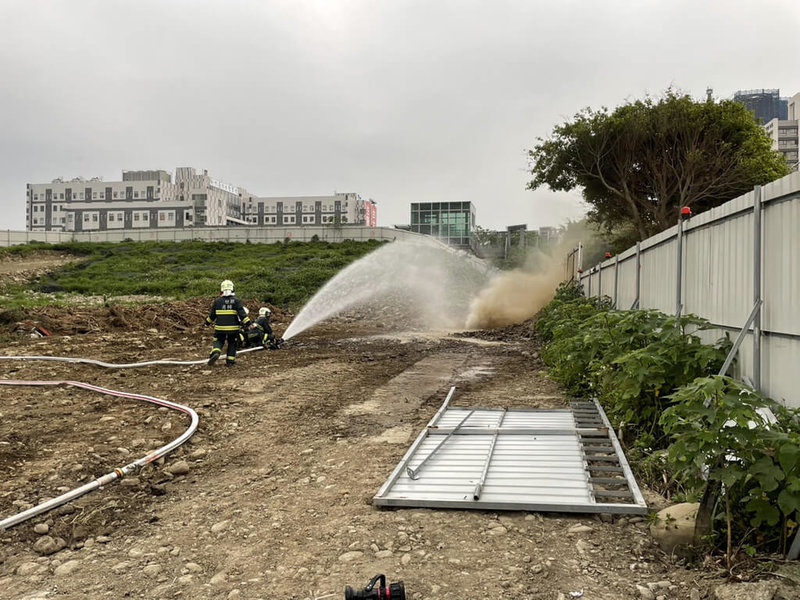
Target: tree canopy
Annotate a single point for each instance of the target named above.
(640, 164)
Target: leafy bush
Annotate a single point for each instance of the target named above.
(660, 357)
(569, 290)
(568, 307)
(720, 428)
(654, 376)
(629, 359)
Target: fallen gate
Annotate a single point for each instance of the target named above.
(562, 460)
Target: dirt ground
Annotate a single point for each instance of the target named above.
(272, 498)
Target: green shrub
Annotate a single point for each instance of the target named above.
(568, 308)
(654, 376)
(629, 359)
(719, 428)
(660, 357)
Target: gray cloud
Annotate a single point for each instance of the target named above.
(399, 101)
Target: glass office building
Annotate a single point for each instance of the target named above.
(452, 222)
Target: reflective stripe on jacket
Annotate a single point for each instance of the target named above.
(227, 314)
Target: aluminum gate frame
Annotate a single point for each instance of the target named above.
(559, 460)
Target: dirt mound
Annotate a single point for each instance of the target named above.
(172, 317)
(520, 331)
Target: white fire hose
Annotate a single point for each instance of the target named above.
(127, 469)
(116, 473)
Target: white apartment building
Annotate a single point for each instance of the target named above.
(785, 133)
(338, 209)
(151, 199)
(214, 202)
(82, 204)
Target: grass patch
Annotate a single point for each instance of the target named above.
(282, 274)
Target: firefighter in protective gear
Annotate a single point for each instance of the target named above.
(262, 328)
(227, 315)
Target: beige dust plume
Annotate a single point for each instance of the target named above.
(514, 296)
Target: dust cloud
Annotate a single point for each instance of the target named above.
(514, 296)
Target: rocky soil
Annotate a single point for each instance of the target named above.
(271, 498)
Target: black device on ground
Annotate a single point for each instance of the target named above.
(394, 591)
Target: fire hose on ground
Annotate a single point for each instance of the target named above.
(127, 469)
(100, 363)
(116, 473)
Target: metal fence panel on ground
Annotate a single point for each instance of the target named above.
(731, 258)
(563, 460)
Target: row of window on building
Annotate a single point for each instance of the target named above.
(292, 219)
(139, 218)
(142, 218)
(91, 220)
(116, 219)
(56, 207)
(41, 221)
(101, 195)
(288, 206)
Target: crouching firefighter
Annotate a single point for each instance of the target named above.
(261, 331)
(227, 315)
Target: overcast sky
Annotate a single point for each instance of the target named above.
(398, 100)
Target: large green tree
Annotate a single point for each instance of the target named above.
(640, 164)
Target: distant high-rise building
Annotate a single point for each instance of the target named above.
(764, 104)
(785, 133)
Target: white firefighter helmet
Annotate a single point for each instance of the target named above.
(264, 311)
(226, 287)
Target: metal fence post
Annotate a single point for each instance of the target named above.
(679, 268)
(568, 270)
(599, 279)
(757, 266)
(638, 274)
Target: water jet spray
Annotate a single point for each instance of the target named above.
(429, 281)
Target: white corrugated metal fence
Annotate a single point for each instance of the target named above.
(730, 257)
